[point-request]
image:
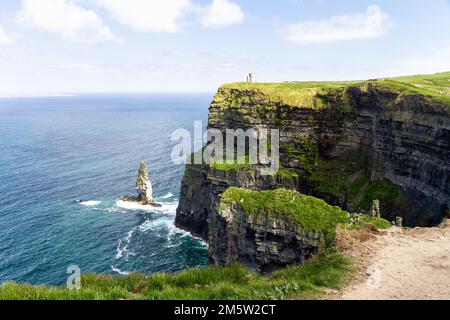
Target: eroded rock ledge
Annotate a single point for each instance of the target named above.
(268, 230)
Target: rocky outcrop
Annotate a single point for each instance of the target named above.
(202, 187)
(347, 145)
(143, 188)
(264, 244)
(272, 229)
(143, 185)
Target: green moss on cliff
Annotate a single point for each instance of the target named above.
(235, 165)
(287, 173)
(309, 213)
(344, 179)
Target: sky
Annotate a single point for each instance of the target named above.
(92, 46)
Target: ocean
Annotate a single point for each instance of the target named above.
(58, 151)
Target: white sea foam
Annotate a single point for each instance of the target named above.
(122, 247)
(150, 225)
(173, 230)
(91, 203)
(167, 196)
(119, 250)
(132, 206)
(163, 224)
(168, 208)
(123, 273)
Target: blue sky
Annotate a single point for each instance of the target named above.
(75, 46)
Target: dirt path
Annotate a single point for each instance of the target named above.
(402, 264)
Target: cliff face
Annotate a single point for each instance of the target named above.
(347, 144)
(268, 230)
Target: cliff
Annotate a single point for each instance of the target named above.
(346, 143)
(288, 231)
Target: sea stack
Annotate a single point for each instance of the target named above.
(144, 185)
(143, 188)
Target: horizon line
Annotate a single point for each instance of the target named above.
(77, 94)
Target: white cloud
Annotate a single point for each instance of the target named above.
(372, 24)
(5, 38)
(148, 15)
(221, 13)
(65, 18)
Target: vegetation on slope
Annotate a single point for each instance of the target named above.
(378, 223)
(267, 95)
(308, 94)
(212, 283)
(309, 213)
(343, 177)
(437, 85)
(306, 212)
(234, 165)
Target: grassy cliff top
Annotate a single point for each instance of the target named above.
(310, 213)
(303, 93)
(236, 282)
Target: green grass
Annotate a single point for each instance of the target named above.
(307, 212)
(297, 94)
(378, 223)
(290, 86)
(308, 94)
(432, 84)
(234, 165)
(330, 270)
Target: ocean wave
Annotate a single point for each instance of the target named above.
(119, 250)
(169, 208)
(165, 224)
(90, 203)
(149, 225)
(122, 247)
(117, 270)
(165, 228)
(167, 196)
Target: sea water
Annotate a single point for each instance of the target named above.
(64, 164)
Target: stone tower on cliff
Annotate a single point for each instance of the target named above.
(251, 78)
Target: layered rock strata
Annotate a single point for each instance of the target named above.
(348, 145)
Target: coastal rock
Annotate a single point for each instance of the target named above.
(202, 187)
(143, 188)
(143, 185)
(263, 245)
